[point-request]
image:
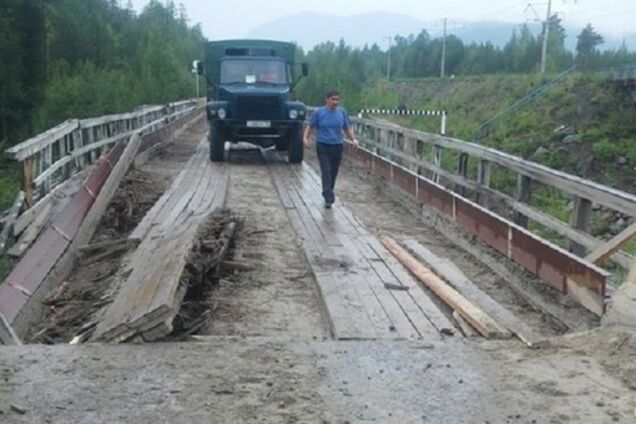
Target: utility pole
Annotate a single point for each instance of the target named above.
(388, 59)
(546, 33)
(443, 70)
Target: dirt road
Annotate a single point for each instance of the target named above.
(266, 355)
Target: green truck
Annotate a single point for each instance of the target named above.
(250, 86)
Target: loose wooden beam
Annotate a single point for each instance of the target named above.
(481, 321)
(449, 271)
(601, 253)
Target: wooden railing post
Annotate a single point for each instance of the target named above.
(462, 172)
(580, 219)
(524, 192)
(27, 181)
(437, 160)
(483, 180)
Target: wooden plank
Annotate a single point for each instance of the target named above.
(451, 273)
(31, 233)
(602, 252)
(408, 318)
(482, 322)
(386, 314)
(342, 291)
(430, 309)
(7, 335)
(464, 326)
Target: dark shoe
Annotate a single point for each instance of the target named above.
(328, 205)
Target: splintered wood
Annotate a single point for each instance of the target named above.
(150, 287)
(366, 293)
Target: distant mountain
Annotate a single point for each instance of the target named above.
(309, 29)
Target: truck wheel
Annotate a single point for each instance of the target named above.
(295, 150)
(217, 146)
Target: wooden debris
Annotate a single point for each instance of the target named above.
(18, 409)
(7, 335)
(464, 326)
(150, 296)
(117, 248)
(451, 273)
(57, 294)
(238, 266)
(390, 286)
(481, 321)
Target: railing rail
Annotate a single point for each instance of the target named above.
(405, 147)
(50, 158)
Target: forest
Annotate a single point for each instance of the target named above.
(419, 56)
(76, 58)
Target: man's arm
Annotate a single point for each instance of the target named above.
(349, 132)
(309, 131)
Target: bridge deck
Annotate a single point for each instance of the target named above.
(355, 274)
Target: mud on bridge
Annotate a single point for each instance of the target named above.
(152, 285)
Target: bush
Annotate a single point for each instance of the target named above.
(605, 150)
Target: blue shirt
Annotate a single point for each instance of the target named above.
(329, 124)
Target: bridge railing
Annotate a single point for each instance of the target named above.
(411, 148)
(50, 159)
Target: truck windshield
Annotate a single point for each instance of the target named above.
(253, 71)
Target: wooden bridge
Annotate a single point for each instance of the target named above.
(71, 171)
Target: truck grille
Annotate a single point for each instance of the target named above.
(258, 107)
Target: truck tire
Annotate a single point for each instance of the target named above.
(296, 149)
(217, 146)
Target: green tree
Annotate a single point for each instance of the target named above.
(586, 46)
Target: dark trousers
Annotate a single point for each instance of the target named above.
(329, 156)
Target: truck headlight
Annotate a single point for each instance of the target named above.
(221, 113)
(293, 114)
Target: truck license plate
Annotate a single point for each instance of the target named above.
(259, 124)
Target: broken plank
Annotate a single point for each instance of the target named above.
(602, 252)
(451, 273)
(481, 321)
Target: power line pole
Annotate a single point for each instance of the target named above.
(442, 72)
(388, 59)
(546, 33)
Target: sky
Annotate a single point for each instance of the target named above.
(236, 18)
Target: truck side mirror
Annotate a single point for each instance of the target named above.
(305, 69)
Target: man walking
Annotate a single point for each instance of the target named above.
(329, 122)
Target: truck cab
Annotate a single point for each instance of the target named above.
(250, 96)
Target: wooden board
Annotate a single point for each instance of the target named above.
(150, 292)
(481, 321)
(350, 275)
(447, 270)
